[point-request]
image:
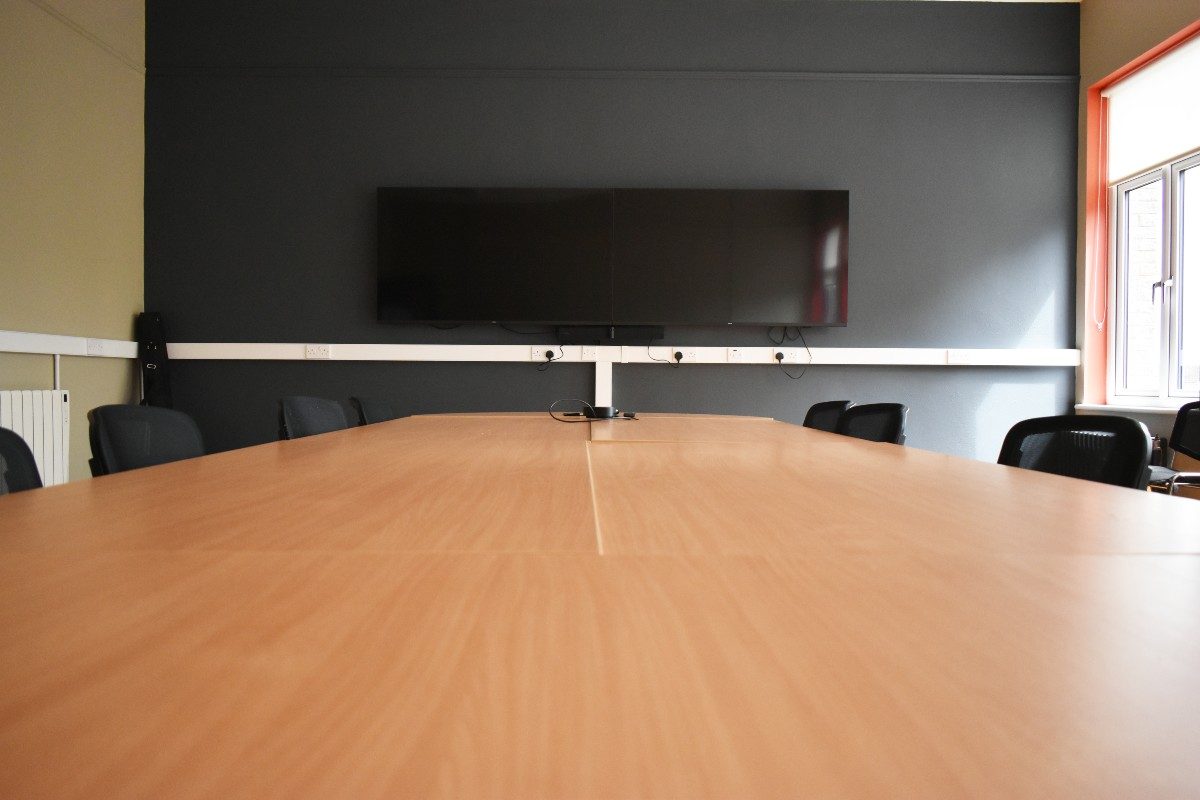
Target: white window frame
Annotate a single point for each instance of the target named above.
(1170, 393)
(1175, 387)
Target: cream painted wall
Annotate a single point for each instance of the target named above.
(1111, 34)
(72, 144)
(1114, 32)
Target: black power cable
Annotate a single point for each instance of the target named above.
(576, 413)
(581, 416)
(677, 356)
(779, 354)
(550, 359)
(547, 332)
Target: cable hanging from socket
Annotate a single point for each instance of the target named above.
(786, 336)
(675, 360)
(550, 358)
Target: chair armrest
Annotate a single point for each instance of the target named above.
(1182, 479)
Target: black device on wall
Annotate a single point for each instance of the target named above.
(152, 356)
(613, 257)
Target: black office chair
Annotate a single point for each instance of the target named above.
(1106, 449)
(131, 437)
(18, 469)
(875, 422)
(1185, 438)
(308, 416)
(371, 410)
(825, 416)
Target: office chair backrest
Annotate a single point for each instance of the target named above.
(825, 416)
(371, 410)
(18, 469)
(1185, 436)
(875, 422)
(131, 437)
(308, 416)
(1106, 449)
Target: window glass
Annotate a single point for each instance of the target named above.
(1188, 282)
(1142, 255)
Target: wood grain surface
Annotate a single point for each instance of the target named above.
(471, 606)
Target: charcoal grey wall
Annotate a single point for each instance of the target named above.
(269, 126)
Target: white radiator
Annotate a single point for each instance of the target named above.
(43, 419)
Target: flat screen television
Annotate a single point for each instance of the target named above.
(613, 256)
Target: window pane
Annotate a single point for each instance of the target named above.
(1142, 306)
(1189, 283)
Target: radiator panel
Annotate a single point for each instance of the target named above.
(42, 417)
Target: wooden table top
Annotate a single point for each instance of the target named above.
(508, 606)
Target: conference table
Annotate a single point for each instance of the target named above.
(505, 605)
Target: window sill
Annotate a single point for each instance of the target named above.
(1129, 409)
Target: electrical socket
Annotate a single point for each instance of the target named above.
(737, 355)
(690, 355)
(538, 353)
(317, 351)
(588, 352)
(791, 355)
